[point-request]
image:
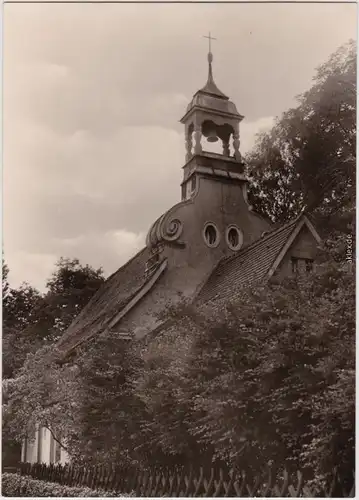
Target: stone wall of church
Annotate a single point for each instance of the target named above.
(221, 203)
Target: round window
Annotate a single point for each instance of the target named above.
(211, 235)
(234, 238)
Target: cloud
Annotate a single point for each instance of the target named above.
(34, 268)
(250, 130)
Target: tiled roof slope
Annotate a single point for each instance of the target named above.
(250, 264)
(112, 296)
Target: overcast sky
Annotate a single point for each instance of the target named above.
(93, 93)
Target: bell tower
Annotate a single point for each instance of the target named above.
(214, 218)
(213, 116)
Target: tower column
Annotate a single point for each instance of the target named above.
(189, 145)
(198, 137)
(236, 143)
(226, 148)
(225, 142)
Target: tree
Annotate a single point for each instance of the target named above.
(20, 316)
(272, 372)
(70, 288)
(5, 282)
(109, 413)
(86, 403)
(31, 318)
(162, 384)
(269, 377)
(42, 393)
(31, 323)
(308, 160)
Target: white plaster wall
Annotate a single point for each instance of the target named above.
(45, 446)
(31, 449)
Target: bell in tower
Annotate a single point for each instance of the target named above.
(210, 133)
(211, 115)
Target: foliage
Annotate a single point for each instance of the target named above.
(162, 385)
(14, 485)
(267, 377)
(89, 402)
(20, 316)
(43, 393)
(31, 319)
(5, 281)
(31, 322)
(70, 288)
(108, 411)
(308, 159)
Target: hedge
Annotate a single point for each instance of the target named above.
(14, 485)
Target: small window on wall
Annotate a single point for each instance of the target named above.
(295, 266)
(309, 265)
(234, 237)
(301, 265)
(211, 235)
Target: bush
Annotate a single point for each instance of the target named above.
(14, 485)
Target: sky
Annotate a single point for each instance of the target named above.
(92, 98)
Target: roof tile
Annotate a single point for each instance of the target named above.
(250, 264)
(112, 296)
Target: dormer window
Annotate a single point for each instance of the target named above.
(152, 263)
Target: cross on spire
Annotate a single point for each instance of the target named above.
(209, 40)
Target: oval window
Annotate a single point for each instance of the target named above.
(234, 238)
(211, 235)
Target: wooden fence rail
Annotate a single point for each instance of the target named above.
(183, 482)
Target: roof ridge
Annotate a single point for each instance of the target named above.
(126, 263)
(78, 318)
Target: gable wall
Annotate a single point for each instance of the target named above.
(303, 247)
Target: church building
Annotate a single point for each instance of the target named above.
(204, 248)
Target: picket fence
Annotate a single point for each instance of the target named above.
(183, 482)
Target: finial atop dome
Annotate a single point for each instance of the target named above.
(211, 87)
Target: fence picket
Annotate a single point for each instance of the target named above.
(253, 490)
(208, 485)
(171, 480)
(218, 484)
(118, 482)
(188, 482)
(228, 486)
(157, 484)
(165, 483)
(240, 487)
(199, 482)
(179, 478)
